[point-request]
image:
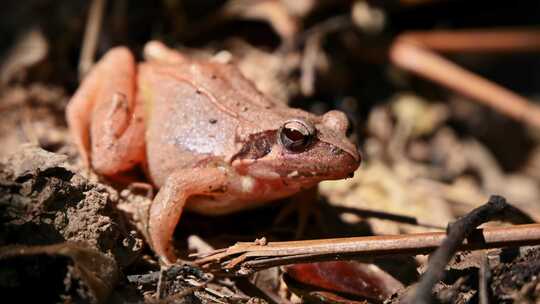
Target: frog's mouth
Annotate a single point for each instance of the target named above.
(299, 169)
(310, 176)
(325, 162)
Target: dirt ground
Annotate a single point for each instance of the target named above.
(429, 153)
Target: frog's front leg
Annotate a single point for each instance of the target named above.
(168, 204)
(106, 117)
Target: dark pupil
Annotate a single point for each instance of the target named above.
(294, 140)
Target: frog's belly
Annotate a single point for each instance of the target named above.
(239, 197)
(219, 206)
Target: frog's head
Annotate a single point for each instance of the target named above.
(302, 150)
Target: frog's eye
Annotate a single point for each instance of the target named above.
(296, 135)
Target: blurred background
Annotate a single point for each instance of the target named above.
(435, 143)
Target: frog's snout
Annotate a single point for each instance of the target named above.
(354, 156)
(352, 162)
(343, 163)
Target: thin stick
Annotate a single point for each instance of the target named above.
(457, 232)
(245, 258)
(421, 61)
(472, 41)
(484, 279)
(93, 27)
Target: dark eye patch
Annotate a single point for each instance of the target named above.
(257, 146)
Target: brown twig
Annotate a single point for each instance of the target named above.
(245, 258)
(457, 232)
(484, 278)
(412, 53)
(93, 25)
(473, 41)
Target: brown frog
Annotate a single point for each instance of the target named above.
(205, 136)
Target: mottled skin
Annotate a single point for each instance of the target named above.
(205, 136)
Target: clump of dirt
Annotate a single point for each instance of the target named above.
(43, 201)
(518, 281)
(57, 224)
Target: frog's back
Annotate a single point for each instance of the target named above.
(197, 113)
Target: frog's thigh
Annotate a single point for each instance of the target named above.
(104, 116)
(79, 113)
(117, 125)
(171, 199)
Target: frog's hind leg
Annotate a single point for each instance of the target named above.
(105, 116)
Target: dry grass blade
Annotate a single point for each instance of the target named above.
(93, 25)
